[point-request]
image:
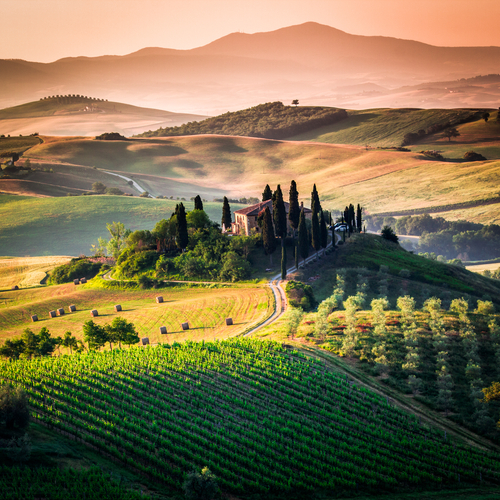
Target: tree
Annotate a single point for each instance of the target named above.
(268, 237)
(294, 207)
(198, 204)
(118, 238)
(12, 349)
(315, 232)
(182, 238)
(323, 230)
(295, 102)
(14, 412)
(451, 132)
(99, 187)
(267, 194)
(235, 267)
(388, 234)
(69, 341)
(303, 242)
(293, 317)
(315, 204)
(283, 262)
(121, 331)
(226, 214)
(359, 221)
(485, 116)
(279, 215)
(94, 335)
(201, 486)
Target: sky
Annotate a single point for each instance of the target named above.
(47, 30)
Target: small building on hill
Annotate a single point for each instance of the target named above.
(245, 219)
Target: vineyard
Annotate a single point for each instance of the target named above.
(264, 418)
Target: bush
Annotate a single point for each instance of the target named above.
(201, 486)
(75, 269)
(14, 413)
(388, 234)
(111, 136)
(137, 262)
(473, 156)
(300, 295)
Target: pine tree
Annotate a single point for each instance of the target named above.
(359, 222)
(294, 208)
(283, 262)
(323, 231)
(279, 214)
(303, 242)
(182, 238)
(198, 204)
(226, 214)
(268, 237)
(315, 232)
(315, 204)
(267, 194)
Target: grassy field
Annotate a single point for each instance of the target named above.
(70, 225)
(205, 309)
(27, 272)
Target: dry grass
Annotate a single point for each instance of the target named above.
(479, 268)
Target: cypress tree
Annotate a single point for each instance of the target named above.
(268, 238)
(352, 219)
(294, 208)
(198, 204)
(283, 262)
(182, 231)
(279, 214)
(267, 194)
(315, 234)
(315, 204)
(297, 265)
(359, 222)
(226, 214)
(303, 242)
(323, 231)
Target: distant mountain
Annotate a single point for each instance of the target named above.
(306, 62)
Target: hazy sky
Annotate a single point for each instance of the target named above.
(46, 30)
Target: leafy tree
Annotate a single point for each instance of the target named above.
(94, 335)
(235, 267)
(140, 239)
(295, 102)
(118, 238)
(303, 241)
(198, 204)
(198, 219)
(121, 331)
(243, 245)
(69, 341)
(201, 486)
(226, 214)
(12, 349)
(267, 194)
(164, 232)
(293, 318)
(388, 234)
(14, 412)
(450, 133)
(279, 214)
(485, 116)
(99, 187)
(268, 238)
(182, 238)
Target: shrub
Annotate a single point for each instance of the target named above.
(473, 156)
(136, 262)
(14, 412)
(75, 269)
(300, 295)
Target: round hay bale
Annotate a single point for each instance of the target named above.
(94, 313)
(185, 326)
(229, 321)
(76, 282)
(145, 341)
(159, 300)
(83, 280)
(72, 308)
(52, 314)
(34, 318)
(118, 308)
(60, 311)
(163, 330)
(15, 287)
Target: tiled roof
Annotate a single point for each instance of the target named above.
(259, 207)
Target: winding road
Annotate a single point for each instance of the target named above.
(128, 179)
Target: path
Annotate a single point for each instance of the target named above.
(128, 179)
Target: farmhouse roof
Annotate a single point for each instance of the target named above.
(259, 207)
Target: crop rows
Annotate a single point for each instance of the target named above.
(261, 417)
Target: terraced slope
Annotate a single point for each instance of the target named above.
(265, 420)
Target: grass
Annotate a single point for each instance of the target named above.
(70, 225)
(205, 308)
(17, 144)
(27, 272)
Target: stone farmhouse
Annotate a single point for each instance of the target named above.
(246, 218)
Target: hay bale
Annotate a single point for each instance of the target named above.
(163, 330)
(60, 311)
(76, 282)
(185, 326)
(118, 308)
(72, 308)
(83, 280)
(15, 287)
(52, 314)
(229, 321)
(145, 341)
(94, 313)
(34, 318)
(159, 300)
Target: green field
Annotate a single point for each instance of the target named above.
(266, 419)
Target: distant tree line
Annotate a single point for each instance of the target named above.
(111, 136)
(271, 121)
(71, 98)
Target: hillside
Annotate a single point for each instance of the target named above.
(316, 421)
(85, 116)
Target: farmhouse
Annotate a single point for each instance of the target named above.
(246, 218)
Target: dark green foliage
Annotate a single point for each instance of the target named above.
(294, 207)
(267, 194)
(145, 282)
(283, 262)
(359, 220)
(136, 262)
(296, 254)
(30, 345)
(315, 232)
(271, 121)
(235, 267)
(279, 213)
(99, 187)
(141, 239)
(323, 230)
(473, 156)
(300, 295)
(201, 486)
(226, 214)
(451, 133)
(198, 204)
(182, 237)
(114, 191)
(75, 269)
(94, 335)
(121, 331)
(268, 237)
(303, 242)
(14, 412)
(111, 136)
(315, 204)
(389, 234)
